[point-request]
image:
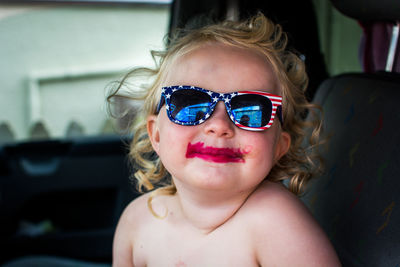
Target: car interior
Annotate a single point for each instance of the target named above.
(355, 200)
(61, 197)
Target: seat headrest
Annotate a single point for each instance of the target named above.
(369, 10)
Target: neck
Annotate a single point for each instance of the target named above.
(207, 211)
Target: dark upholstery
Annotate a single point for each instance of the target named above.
(357, 200)
(48, 261)
(62, 197)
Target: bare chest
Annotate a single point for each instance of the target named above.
(179, 247)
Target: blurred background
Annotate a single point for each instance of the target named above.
(56, 61)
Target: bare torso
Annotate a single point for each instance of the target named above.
(272, 228)
(173, 242)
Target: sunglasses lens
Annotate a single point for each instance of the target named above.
(189, 105)
(251, 110)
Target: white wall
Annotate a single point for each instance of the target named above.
(55, 61)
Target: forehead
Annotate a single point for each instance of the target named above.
(223, 68)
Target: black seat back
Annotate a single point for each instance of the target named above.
(357, 199)
(63, 197)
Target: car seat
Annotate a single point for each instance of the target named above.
(357, 199)
(62, 198)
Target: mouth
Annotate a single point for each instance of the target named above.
(214, 154)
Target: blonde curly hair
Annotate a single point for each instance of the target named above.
(258, 34)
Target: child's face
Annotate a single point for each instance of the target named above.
(222, 69)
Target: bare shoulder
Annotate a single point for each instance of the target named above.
(284, 232)
(137, 224)
(130, 221)
(134, 214)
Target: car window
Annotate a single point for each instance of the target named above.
(57, 60)
(340, 38)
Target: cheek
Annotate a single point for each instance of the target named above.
(170, 140)
(170, 133)
(260, 154)
(259, 147)
(173, 142)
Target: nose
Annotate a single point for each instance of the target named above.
(219, 124)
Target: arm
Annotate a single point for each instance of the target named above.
(123, 238)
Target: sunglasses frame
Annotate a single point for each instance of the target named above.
(167, 91)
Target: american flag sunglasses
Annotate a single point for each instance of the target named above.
(249, 110)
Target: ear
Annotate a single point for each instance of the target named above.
(283, 145)
(153, 132)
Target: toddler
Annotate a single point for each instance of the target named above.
(224, 115)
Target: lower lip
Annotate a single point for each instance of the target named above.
(218, 155)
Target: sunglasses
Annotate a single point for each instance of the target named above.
(249, 110)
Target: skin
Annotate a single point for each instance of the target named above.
(224, 213)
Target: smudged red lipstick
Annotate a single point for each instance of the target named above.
(214, 154)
